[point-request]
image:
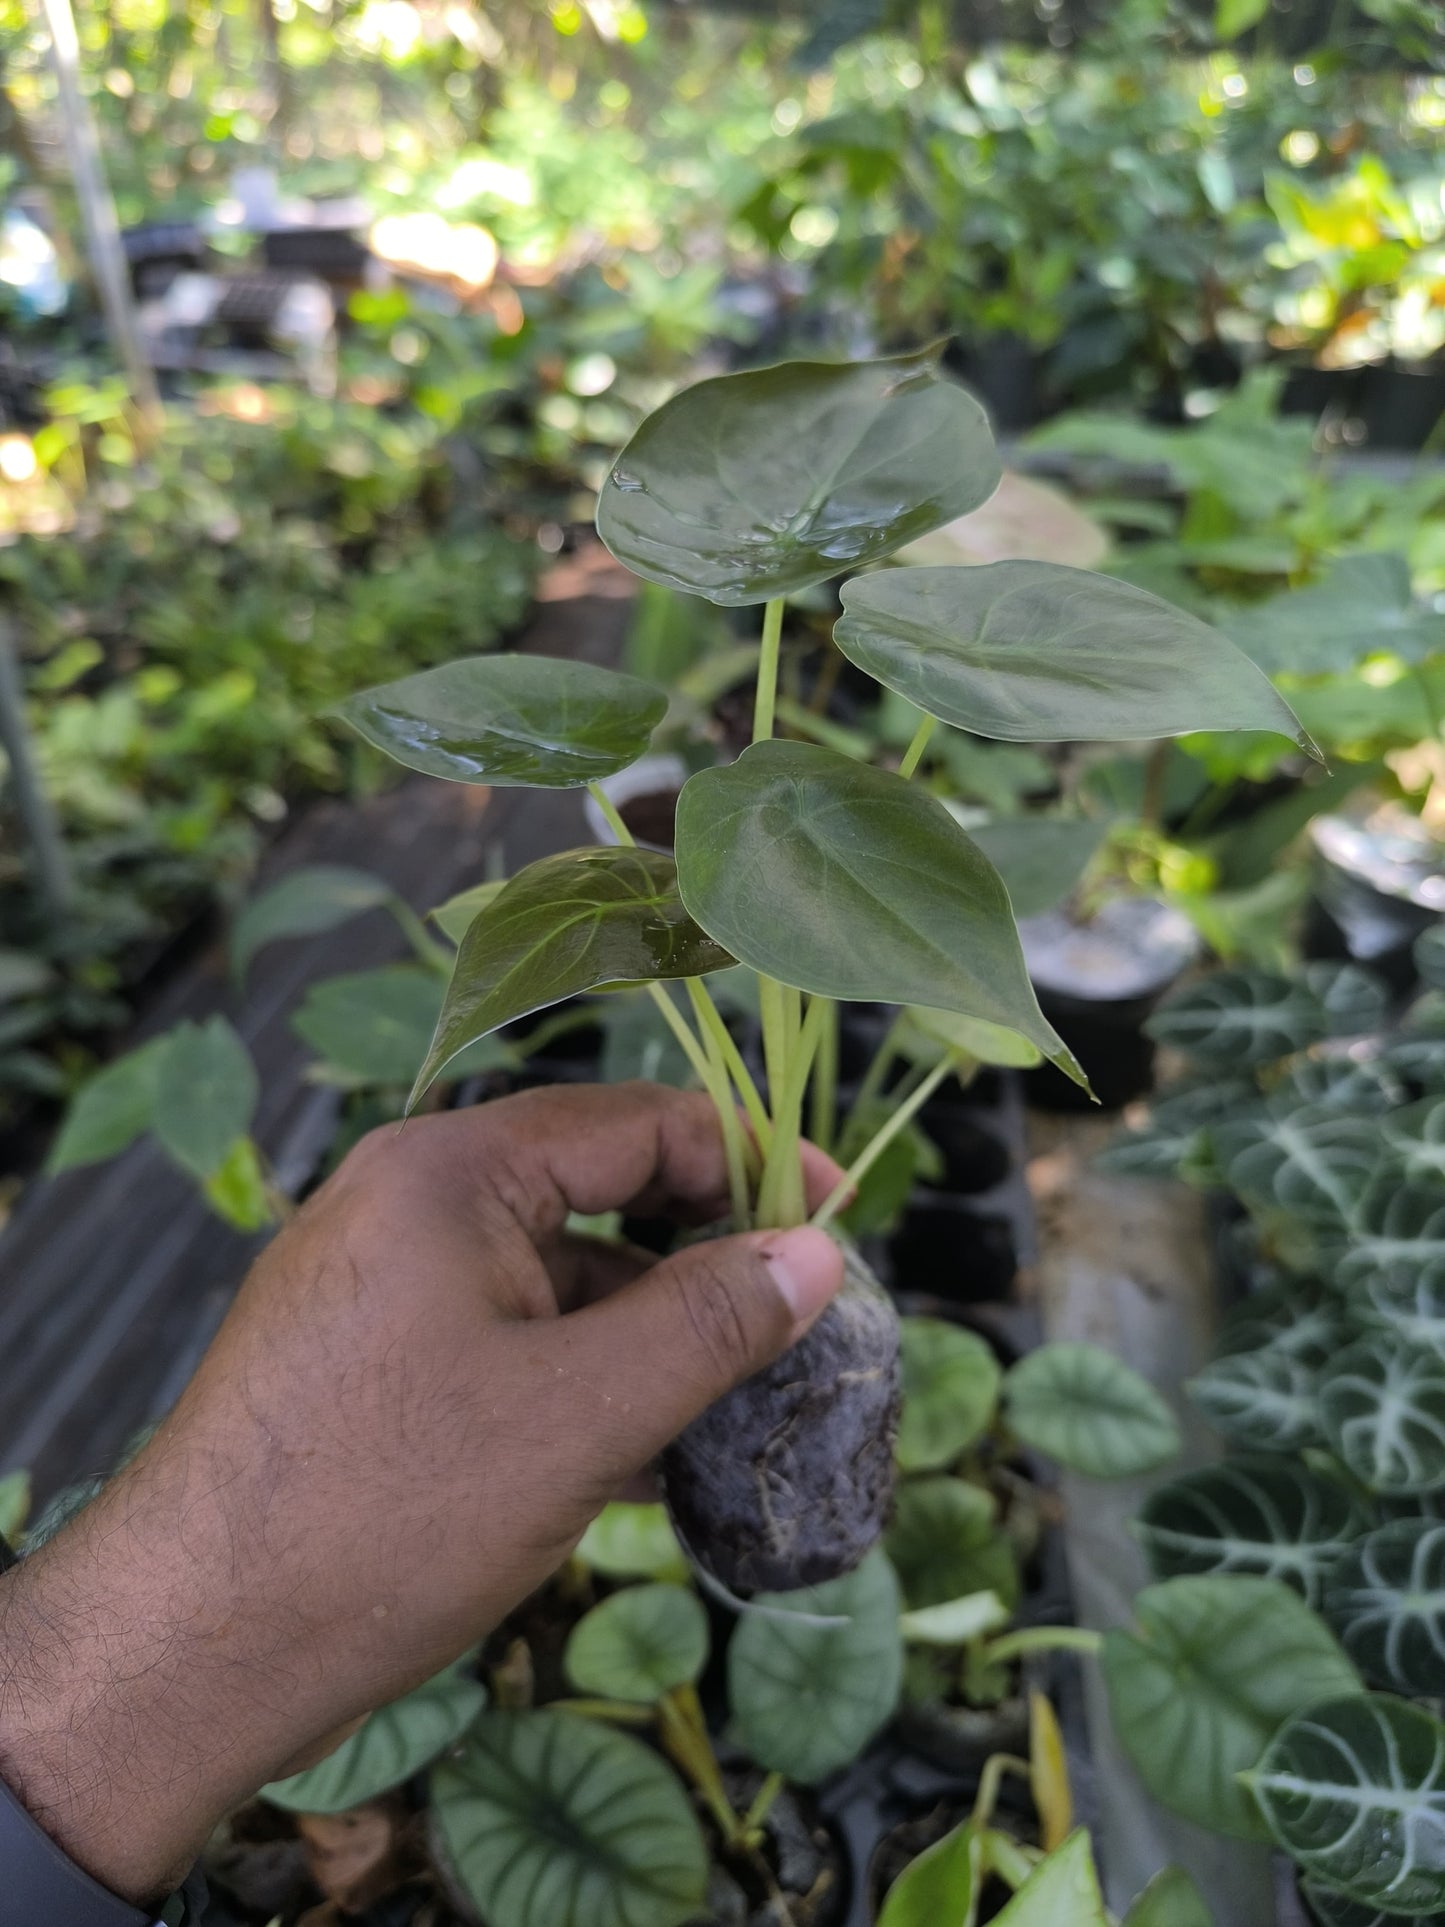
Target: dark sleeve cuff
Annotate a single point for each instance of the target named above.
(43, 1887)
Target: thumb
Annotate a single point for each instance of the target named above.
(696, 1325)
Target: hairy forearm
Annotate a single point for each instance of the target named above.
(141, 1693)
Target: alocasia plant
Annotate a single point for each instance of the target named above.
(830, 879)
(1332, 1381)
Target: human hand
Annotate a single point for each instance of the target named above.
(423, 1393)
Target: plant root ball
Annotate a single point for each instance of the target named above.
(788, 1481)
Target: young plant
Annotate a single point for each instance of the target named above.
(831, 880)
(1285, 1679)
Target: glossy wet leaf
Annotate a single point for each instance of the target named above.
(1034, 652)
(1240, 1017)
(1040, 858)
(1268, 1517)
(1365, 605)
(941, 1887)
(750, 486)
(564, 925)
(1265, 1400)
(1064, 1887)
(532, 722)
(304, 903)
(389, 1747)
(1216, 1666)
(639, 1644)
(1170, 1900)
(1354, 1791)
(111, 1109)
(852, 882)
(1086, 1408)
(951, 1382)
(1385, 1599)
(206, 1095)
(631, 1541)
(944, 1542)
(806, 1699)
(554, 1821)
(1382, 1405)
(1312, 1163)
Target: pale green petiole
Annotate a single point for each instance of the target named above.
(765, 701)
(883, 1137)
(1042, 1639)
(913, 755)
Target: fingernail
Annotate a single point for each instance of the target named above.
(807, 1268)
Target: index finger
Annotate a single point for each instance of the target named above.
(648, 1149)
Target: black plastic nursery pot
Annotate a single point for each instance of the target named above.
(1097, 982)
(1376, 889)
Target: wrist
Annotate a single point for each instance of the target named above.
(141, 1697)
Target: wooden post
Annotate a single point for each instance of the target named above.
(97, 211)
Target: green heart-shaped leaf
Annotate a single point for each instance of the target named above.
(1089, 1410)
(1416, 1135)
(1240, 1017)
(388, 1748)
(374, 1026)
(750, 486)
(304, 903)
(1397, 1233)
(1354, 1790)
(1382, 1405)
(1040, 858)
(206, 1092)
(941, 1887)
(554, 1821)
(852, 883)
(1364, 605)
(1309, 1162)
(1032, 652)
(1411, 1309)
(630, 1541)
(1170, 1900)
(111, 1109)
(456, 916)
(1354, 999)
(564, 925)
(1178, 1120)
(1331, 1908)
(806, 1699)
(951, 1382)
(1385, 1598)
(639, 1644)
(1270, 1517)
(945, 1543)
(1266, 1400)
(1064, 1887)
(1217, 1665)
(530, 722)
